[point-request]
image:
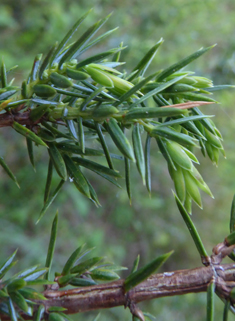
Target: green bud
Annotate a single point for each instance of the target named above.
(178, 155)
(101, 77)
(104, 111)
(202, 82)
(60, 80)
(192, 188)
(44, 90)
(76, 74)
(178, 179)
(212, 139)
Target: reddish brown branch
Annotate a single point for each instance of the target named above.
(159, 285)
(7, 119)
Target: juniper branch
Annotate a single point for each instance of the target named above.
(158, 285)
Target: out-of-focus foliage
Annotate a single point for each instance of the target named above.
(27, 27)
(149, 225)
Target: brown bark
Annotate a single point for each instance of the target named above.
(158, 285)
(7, 119)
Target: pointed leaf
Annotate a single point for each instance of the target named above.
(8, 171)
(82, 282)
(45, 134)
(7, 95)
(108, 178)
(35, 67)
(5, 267)
(151, 112)
(12, 310)
(90, 98)
(226, 310)
(112, 267)
(232, 216)
(205, 122)
(138, 151)
(77, 176)
(98, 57)
(30, 151)
(173, 135)
(68, 36)
(98, 39)
(135, 264)
(104, 275)
(95, 167)
(72, 259)
(53, 316)
(86, 265)
(57, 160)
(127, 178)
(3, 294)
(31, 294)
(155, 91)
(46, 61)
(40, 282)
(145, 272)
(19, 300)
(182, 63)
(143, 65)
(35, 275)
(76, 48)
(51, 247)
(120, 139)
(3, 75)
(219, 87)
(134, 89)
(210, 301)
(71, 148)
(28, 133)
(71, 128)
(93, 194)
(50, 200)
(162, 147)
(147, 163)
(213, 139)
(65, 279)
(191, 155)
(49, 180)
(38, 316)
(184, 119)
(104, 145)
(81, 134)
(191, 227)
(193, 97)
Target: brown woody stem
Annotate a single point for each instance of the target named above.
(158, 285)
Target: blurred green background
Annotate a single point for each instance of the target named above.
(151, 226)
